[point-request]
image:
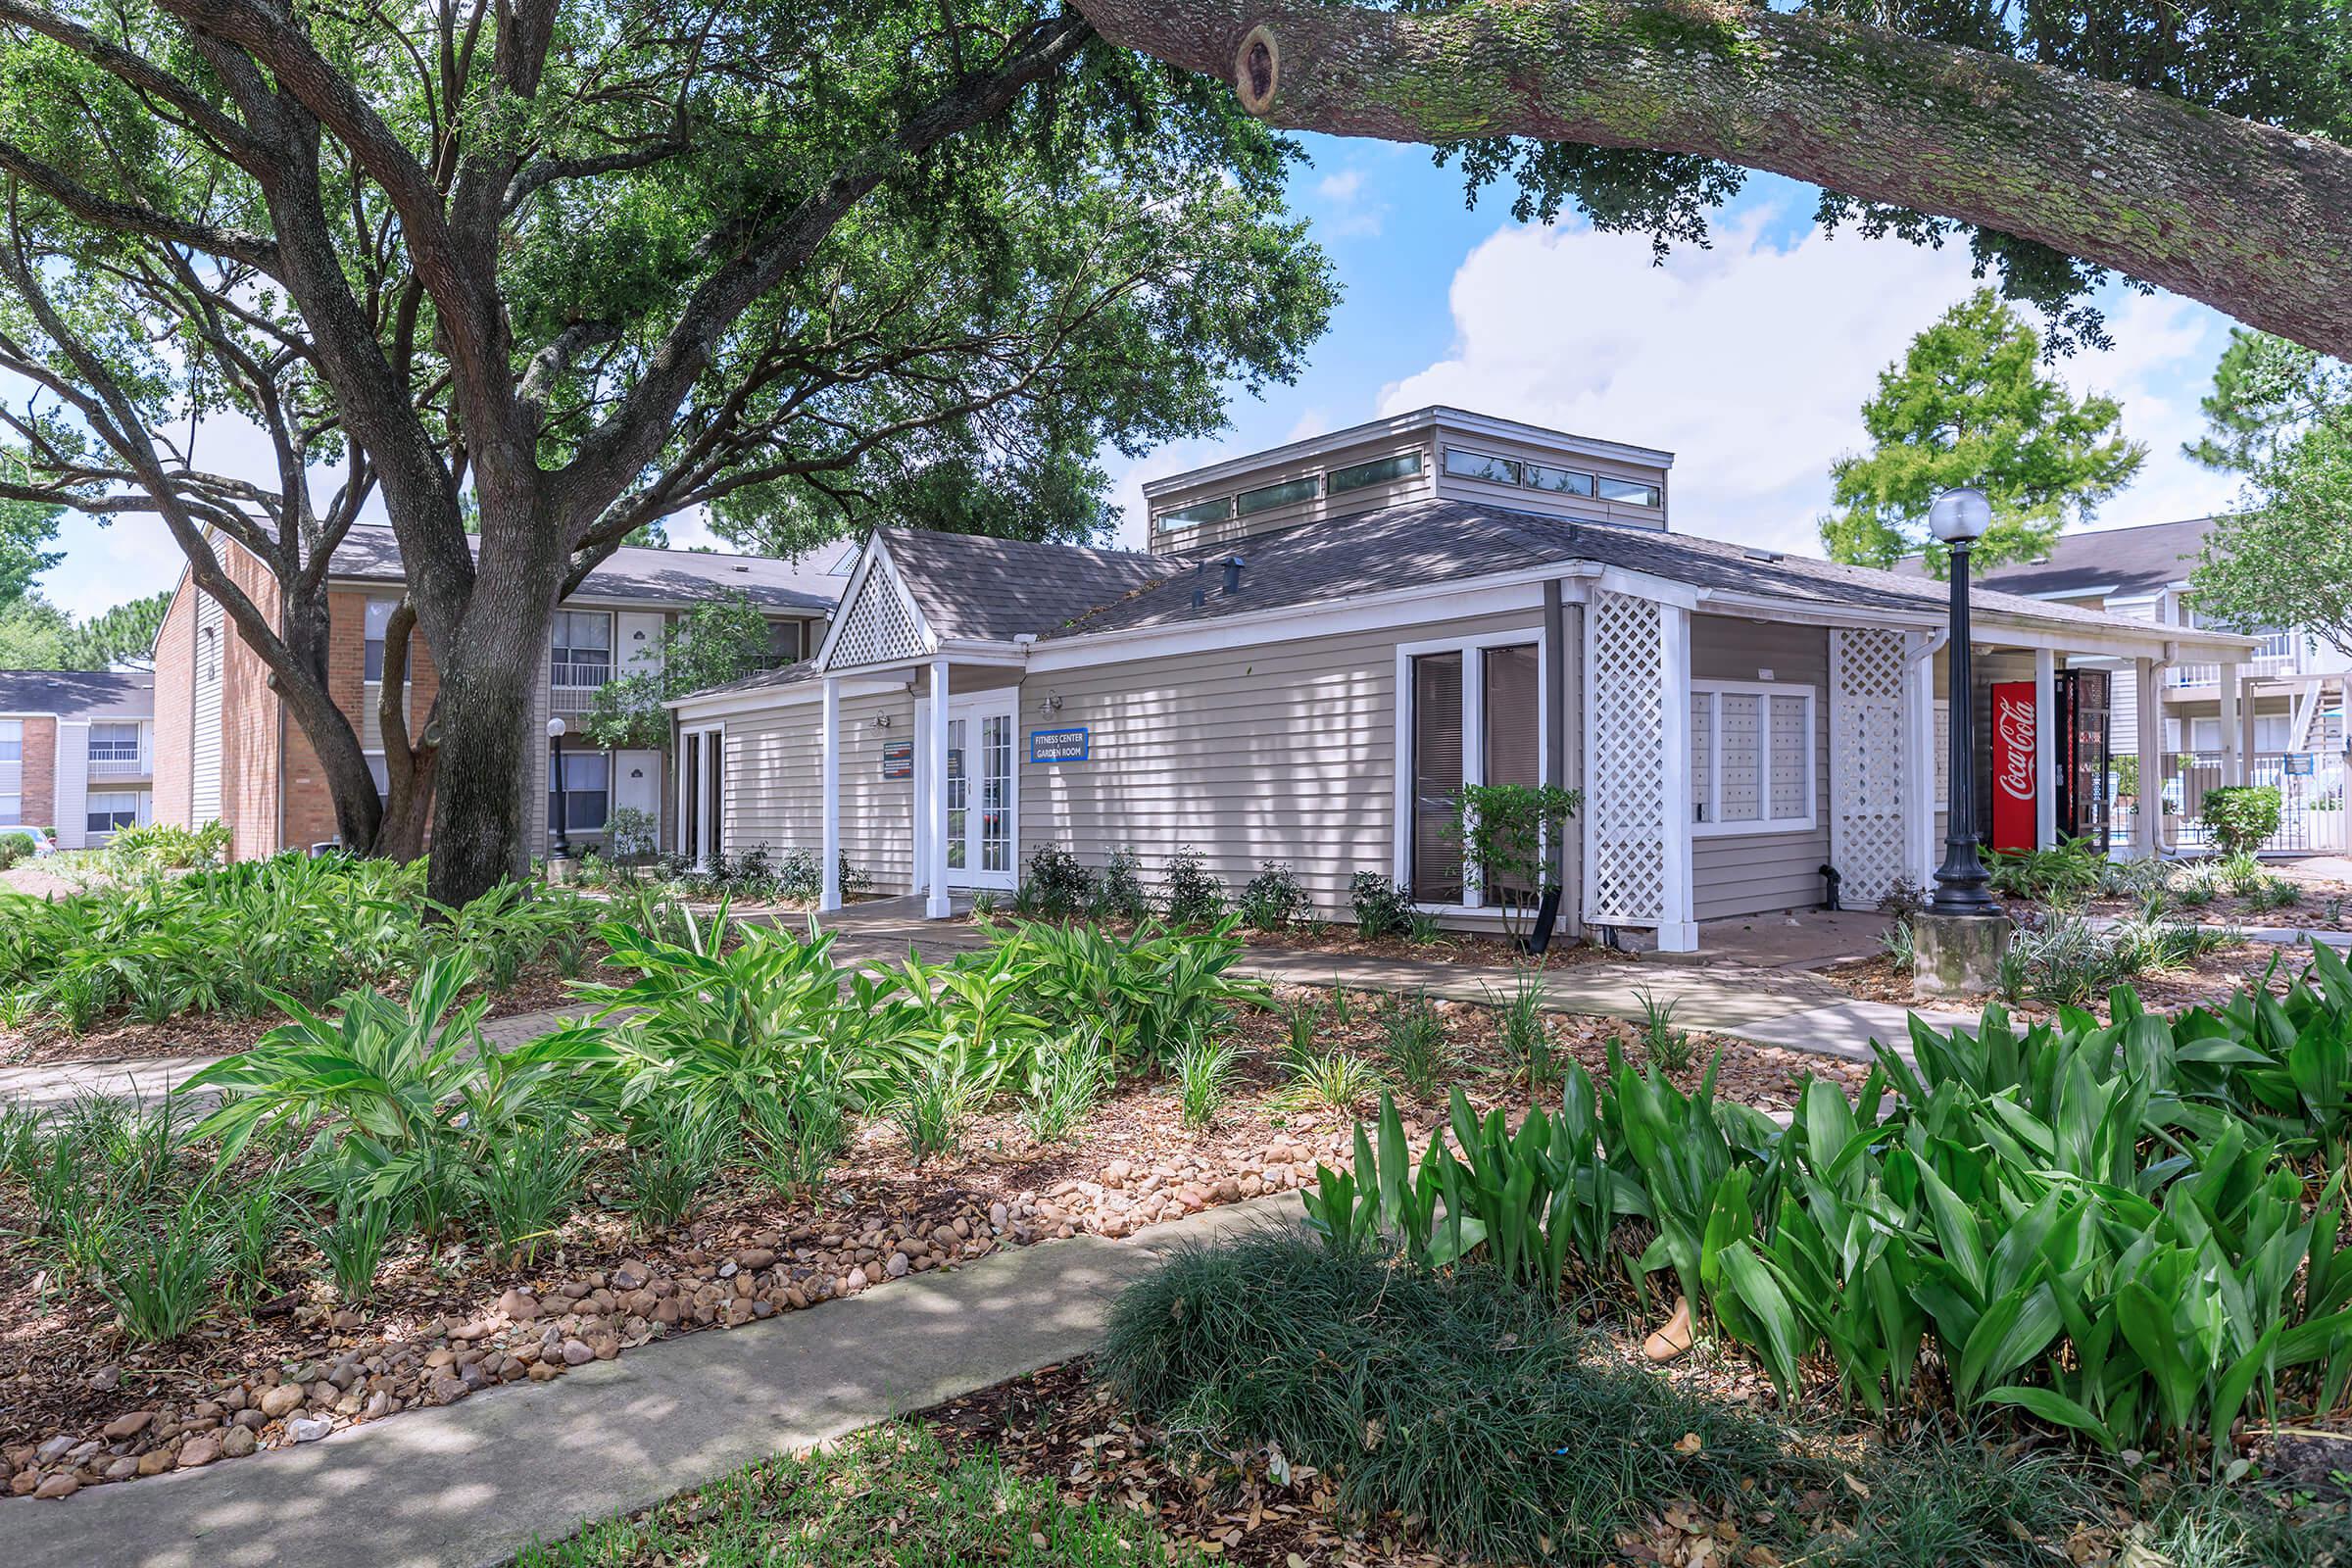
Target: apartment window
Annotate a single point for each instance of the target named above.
(379, 621)
(582, 648)
(1752, 757)
(11, 773)
(112, 809)
(114, 743)
(1382, 470)
(12, 811)
(1266, 498)
(2272, 732)
(1218, 511)
(12, 740)
(784, 643)
(1640, 495)
(1464, 463)
(1561, 481)
(2205, 735)
(587, 791)
(1476, 718)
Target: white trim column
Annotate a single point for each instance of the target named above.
(69, 800)
(1919, 760)
(2147, 822)
(1678, 929)
(2045, 749)
(829, 744)
(2234, 756)
(932, 799)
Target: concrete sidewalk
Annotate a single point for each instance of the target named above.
(476, 1482)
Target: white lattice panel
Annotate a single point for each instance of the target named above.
(1869, 792)
(1628, 812)
(880, 627)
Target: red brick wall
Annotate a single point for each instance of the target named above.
(175, 708)
(40, 773)
(310, 807)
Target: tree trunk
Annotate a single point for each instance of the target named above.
(2249, 218)
(410, 765)
(490, 675)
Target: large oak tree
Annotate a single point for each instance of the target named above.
(531, 275)
(2194, 144)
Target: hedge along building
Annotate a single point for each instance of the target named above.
(1327, 641)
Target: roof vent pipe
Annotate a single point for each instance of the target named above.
(1232, 574)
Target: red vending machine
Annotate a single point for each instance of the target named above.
(2081, 760)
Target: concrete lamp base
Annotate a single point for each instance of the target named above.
(1957, 954)
(561, 873)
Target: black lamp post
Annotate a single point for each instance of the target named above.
(554, 739)
(1959, 518)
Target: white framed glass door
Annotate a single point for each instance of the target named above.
(979, 795)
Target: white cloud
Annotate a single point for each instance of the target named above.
(1752, 361)
(2159, 366)
(1352, 209)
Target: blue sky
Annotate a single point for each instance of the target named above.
(1750, 360)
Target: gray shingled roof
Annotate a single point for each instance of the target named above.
(974, 587)
(1437, 541)
(371, 554)
(2122, 562)
(970, 585)
(79, 694)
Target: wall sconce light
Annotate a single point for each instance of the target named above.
(881, 722)
(1052, 703)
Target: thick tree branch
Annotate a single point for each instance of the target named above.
(2250, 219)
(636, 429)
(131, 218)
(148, 78)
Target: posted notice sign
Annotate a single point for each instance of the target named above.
(898, 759)
(1071, 745)
(2298, 765)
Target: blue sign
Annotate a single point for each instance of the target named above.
(2298, 765)
(1059, 745)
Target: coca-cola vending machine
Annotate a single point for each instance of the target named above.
(2082, 759)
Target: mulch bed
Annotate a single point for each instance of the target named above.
(79, 1404)
(2218, 976)
(119, 1038)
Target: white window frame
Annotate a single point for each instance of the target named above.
(1709, 692)
(1474, 740)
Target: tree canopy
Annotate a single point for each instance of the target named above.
(2194, 146)
(25, 527)
(34, 634)
(2281, 416)
(719, 640)
(548, 272)
(1971, 404)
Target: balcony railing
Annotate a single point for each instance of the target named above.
(575, 685)
(119, 761)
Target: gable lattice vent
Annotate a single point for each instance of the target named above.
(881, 626)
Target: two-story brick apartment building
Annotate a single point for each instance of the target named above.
(225, 748)
(76, 752)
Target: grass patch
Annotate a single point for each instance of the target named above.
(1459, 1399)
(888, 1496)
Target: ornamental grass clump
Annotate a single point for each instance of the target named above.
(1462, 1401)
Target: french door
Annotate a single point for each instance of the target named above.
(978, 802)
(702, 794)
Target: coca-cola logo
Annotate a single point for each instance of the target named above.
(2013, 724)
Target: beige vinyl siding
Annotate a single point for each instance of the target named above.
(1281, 752)
(1750, 873)
(206, 747)
(774, 786)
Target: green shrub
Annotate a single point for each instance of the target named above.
(1520, 1020)
(2239, 818)
(1274, 899)
(2066, 874)
(1119, 891)
(1204, 1073)
(932, 1105)
(1669, 1048)
(1459, 1400)
(526, 1184)
(1382, 906)
(1338, 1079)
(676, 1148)
(1058, 884)
(158, 1272)
(163, 846)
(1507, 833)
(1065, 1085)
(1190, 893)
(354, 1247)
(15, 847)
